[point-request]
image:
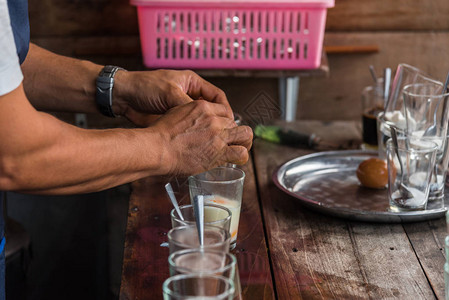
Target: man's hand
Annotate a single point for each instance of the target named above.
(199, 136)
(50, 85)
(137, 94)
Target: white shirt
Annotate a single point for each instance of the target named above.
(10, 73)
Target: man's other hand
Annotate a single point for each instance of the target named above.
(199, 136)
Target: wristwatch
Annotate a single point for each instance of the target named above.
(105, 84)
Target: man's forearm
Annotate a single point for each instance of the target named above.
(41, 154)
(57, 83)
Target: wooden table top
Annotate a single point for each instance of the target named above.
(286, 251)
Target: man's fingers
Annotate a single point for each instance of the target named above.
(212, 93)
(236, 155)
(216, 109)
(200, 88)
(203, 88)
(240, 135)
(182, 97)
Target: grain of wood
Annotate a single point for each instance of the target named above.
(319, 257)
(427, 239)
(385, 15)
(55, 17)
(82, 18)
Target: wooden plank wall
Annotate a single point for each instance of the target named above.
(414, 32)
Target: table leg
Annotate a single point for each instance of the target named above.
(288, 95)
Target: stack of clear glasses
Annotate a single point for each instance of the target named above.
(418, 109)
(208, 271)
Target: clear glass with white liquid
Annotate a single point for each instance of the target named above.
(221, 186)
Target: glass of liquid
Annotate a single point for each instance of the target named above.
(372, 105)
(221, 186)
(214, 215)
(202, 261)
(186, 237)
(198, 286)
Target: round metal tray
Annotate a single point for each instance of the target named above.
(327, 182)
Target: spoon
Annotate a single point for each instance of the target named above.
(431, 131)
(198, 210)
(373, 73)
(404, 191)
(171, 194)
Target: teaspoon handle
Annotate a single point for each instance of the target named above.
(198, 209)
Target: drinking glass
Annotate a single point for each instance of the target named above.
(372, 105)
(222, 186)
(410, 166)
(394, 114)
(384, 134)
(214, 215)
(427, 112)
(200, 261)
(198, 286)
(405, 75)
(186, 237)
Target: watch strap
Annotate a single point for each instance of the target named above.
(105, 85)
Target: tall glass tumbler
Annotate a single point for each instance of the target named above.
(427, 115)
(405, 75)
(198, 286)
(222, 186)
(394, 114)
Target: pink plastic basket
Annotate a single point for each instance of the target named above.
(233, 34)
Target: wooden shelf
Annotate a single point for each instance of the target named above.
(323, 70)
